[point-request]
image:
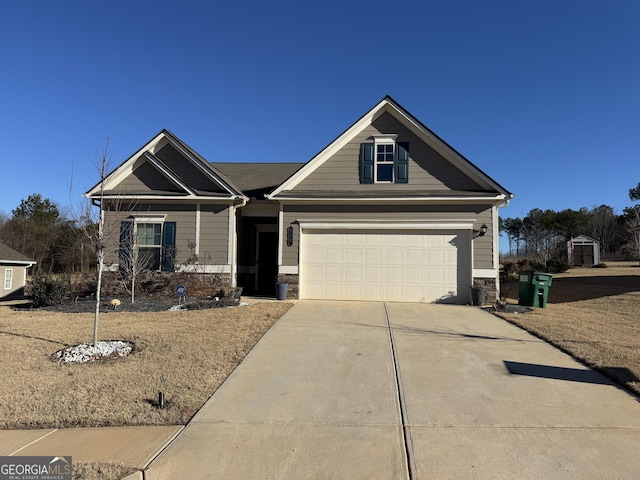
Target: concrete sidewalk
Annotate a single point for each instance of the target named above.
(132, 446)
(446, 392)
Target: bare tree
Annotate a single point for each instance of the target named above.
(103, 161)
(133, 263)
(92, 226)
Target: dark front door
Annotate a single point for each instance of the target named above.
(267, 263)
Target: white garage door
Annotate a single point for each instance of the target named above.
(390, 265)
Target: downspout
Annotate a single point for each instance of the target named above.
(502, 204)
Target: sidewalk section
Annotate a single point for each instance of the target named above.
(132, 446)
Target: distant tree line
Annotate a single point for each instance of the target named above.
(38, 229)
(542, 235)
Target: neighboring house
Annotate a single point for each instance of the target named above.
(583, 251)
(13, 273)
(387, 211)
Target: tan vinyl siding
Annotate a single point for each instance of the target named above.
(192, 175)
(427, 169)
(214, 230)
(17, 282)
(147, 179)
(482, 246)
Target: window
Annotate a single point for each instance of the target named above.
(149, 236)
(384, 161)
(147, 243)
(8, 278)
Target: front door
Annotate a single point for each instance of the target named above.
(267, 263)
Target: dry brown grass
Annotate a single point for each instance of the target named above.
(100, 471)
(193, 351)
(593, 314)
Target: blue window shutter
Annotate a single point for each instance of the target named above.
(402, 163)
(366, 163)
(168, 246)
(126, 244)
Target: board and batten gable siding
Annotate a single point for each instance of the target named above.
(192, 175)
(482, 246)
(214, 230)
(428, 170)
(147, 179)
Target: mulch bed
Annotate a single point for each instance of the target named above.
(141, 304)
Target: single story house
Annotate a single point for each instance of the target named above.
(13, 272)
(387, 211)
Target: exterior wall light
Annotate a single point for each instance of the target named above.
(290, 236)
(481, 232)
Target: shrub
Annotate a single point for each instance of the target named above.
(601, 265)
(557, 265)
(509, 271)
(49, 289)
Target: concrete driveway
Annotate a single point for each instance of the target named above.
(348, 390)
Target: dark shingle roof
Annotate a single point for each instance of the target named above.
(8, 254)
(255, 179)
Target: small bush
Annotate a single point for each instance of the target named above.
(50, 290)
(557, 265)
(509, 271)
(601, 265)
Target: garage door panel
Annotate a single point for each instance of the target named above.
(402, 265)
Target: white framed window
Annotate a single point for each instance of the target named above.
(8, 278)
(149, 242)
(384, 161)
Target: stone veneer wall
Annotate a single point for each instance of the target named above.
(490, 289)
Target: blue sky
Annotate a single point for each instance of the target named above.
(543, 96)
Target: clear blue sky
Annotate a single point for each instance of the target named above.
(544, 96)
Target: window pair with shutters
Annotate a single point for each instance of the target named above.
(384, 162)
(147, 245)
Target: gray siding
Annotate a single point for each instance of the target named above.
(427, 169)
(214, 234)
(214, 230)
(482, 246)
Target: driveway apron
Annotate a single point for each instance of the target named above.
(315, 398)
(486, 400)
(349, 390)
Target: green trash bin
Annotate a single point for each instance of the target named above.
(533, 288)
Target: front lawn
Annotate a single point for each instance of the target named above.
(185, 354)
(593, 314)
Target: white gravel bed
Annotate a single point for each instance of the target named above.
(86, 352)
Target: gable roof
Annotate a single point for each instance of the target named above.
(387, 104)
(184, 188)
(256, 179)
(584, 238)
(9, 255)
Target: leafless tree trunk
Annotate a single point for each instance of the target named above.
(102, 165)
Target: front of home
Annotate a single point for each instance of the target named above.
(387, 211)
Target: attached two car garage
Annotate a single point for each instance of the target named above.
(401, 263)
